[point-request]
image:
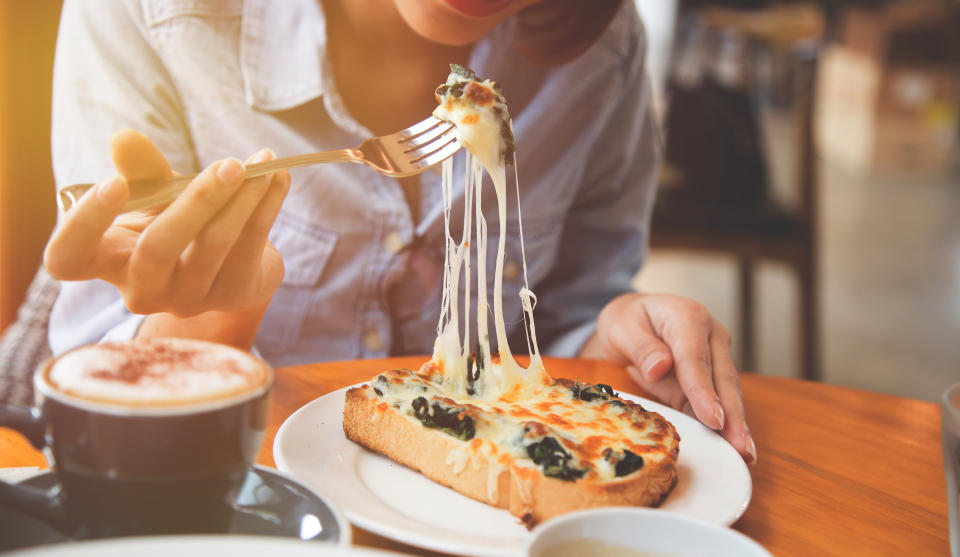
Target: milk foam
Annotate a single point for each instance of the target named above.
(156, 372)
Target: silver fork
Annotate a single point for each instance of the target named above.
(404, 153)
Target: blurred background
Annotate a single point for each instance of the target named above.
(809, 196)
(811, 190)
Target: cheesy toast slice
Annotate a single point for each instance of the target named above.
(572, 446)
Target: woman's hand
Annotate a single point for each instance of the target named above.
(206, 251)
(679, 353)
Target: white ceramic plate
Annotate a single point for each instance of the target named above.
(394, 501)
(198, 546)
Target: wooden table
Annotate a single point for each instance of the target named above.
(840, 471)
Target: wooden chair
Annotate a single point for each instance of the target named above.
(751, 225)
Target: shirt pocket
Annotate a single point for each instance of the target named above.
(306, 249)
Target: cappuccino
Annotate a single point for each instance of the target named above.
(151, 436)
(150, 375)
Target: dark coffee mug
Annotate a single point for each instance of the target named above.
(145, 437)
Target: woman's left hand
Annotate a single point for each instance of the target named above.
(680, 354)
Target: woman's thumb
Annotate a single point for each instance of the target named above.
(635, 342)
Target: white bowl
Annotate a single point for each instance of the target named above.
(647, 532)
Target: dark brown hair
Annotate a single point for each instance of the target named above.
(552, 32)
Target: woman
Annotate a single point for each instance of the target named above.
(336, 261)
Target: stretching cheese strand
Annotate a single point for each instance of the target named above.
(484, 129)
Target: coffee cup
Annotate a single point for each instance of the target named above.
(636, 532)
(152, 436)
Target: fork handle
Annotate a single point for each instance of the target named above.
(155, 191)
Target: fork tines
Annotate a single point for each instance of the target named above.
(429, 141)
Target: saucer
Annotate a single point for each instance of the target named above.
(269, 504)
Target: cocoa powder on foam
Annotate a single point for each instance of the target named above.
(155, 362)
(140, 360)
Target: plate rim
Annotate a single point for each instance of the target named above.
(195, 541)
(397, 533)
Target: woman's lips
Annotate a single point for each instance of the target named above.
(478, 8)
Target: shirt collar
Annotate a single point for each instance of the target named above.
(282, 53)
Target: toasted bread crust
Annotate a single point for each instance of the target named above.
(525, 492)
(373, 424)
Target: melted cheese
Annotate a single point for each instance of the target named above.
(458, 459)
(493, 475)
(587, 430)
(483, 126)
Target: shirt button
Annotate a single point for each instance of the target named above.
(393, 243)
(511, 270)
(373, 342)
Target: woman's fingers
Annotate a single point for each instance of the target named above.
(631, 339)
(212, 237)
(203, 258)
(223, 262)
(174, 229)
(77, 249)
(252, 262)
(686, 329)
(735, 429)
(653, 334)
(667, 390)
(72, 251)
(704, 382)
(627, 337)
(159, 247)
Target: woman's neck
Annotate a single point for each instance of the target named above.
(384, 71)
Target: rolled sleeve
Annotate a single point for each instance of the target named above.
(87, 312)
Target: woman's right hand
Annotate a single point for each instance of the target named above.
(206, 251)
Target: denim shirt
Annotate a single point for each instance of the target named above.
(209, 79)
